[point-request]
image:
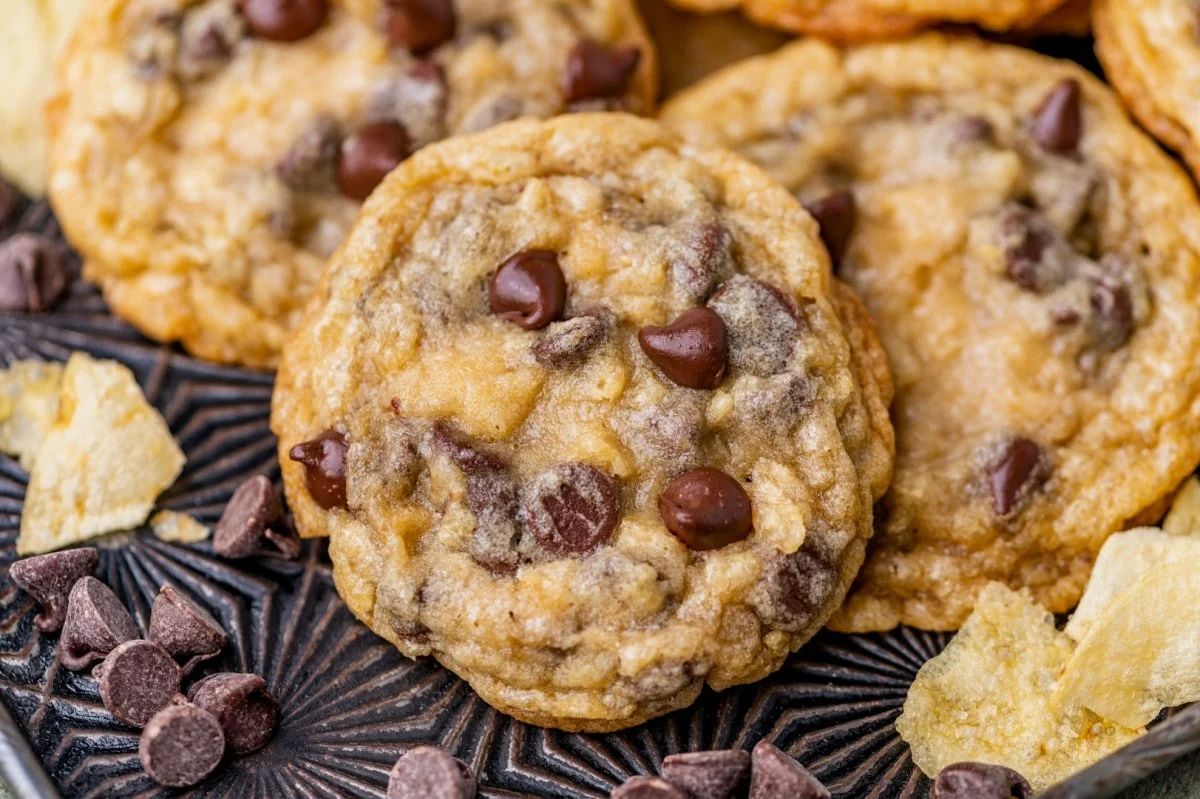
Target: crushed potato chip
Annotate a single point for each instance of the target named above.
(28, 407)
(103, 463)
(1143, 653)
(990, 696)
(177, 528)
(1184, 516)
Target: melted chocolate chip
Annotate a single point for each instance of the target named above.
(184, 629)
(721, 774)
(1026, 237)
(571, 509)
(419, 25)
(794, 588)
(33, 272)
(647, 788)
(96, 623)
(835, 214)
(427, 772)
(324, 459)
(310, 164)
(706, 509)
(974, 128)
(762, 323)
(667, 431)
(1112, 313)
(208, 35)
(469, 458)
(368, 155)
(181, 745)
(1015, 471)
(284, 20)
(595, 71)
(699, 259)
(242, 705)
(774, 775)
(48, 579)
(529, 289)
(137, 679)
(980, 781)
(1058, 121)
(690, 351)
(252, 523)
(568, 343)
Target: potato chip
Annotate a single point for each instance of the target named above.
(28, 407)
(1143, 653)
(990, 697)
(177, 528)
(1123, 560)
(1184, 516)
(103, 462)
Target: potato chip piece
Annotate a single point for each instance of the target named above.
(1184, 516)
(1143, 653)
(990, 697)
(28, 407)
(103, 463)
(1123, 560)
(177, 528)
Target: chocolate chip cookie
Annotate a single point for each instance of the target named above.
(1032, 261)
(587, 418)
(210, 154)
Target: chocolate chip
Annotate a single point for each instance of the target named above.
(774, 775)
(137, 679)
(706, 509)
(252, 523)
(1025, 237)
(242, 705)
(96, 623)
(368, 155)
(310, 164)
(772, 406)
(33, 272)
(1112, 313)
(1017, 469)
(11, 203)
(184, 629)
(762, 323)
(181, 745)
(529, 289)
(569, 342)
(980, 781)
(324, 459)
(722, 774)
(793, 589)
(974, 128)
(207, 37)
(647, 788)
(1058, 121)
(835, 214)
(417, 100)
(597, 71)
(419, 25)
(48, 579)
(469, 457)
(284, 20)
(571, 509)
(690, 351)
(699, 259)
(427, 772)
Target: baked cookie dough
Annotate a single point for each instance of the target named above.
(208, 156)
(587, 418)
(1032, 261)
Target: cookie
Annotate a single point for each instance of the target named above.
(208, 156)
(487, 409)
(1031, 260)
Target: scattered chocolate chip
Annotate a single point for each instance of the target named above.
(699, 259)
(721, 774)
(368, 155)
(419, 25)
(96, 623)
(596, 71)
(427, 772)
(324, 459)
(1058, 121)
(1025, 238)
(1016, 469)
(571, 509)
(706, 509)
(310, 164)
(417, 100)
(774, 775)
(794, 587)
(464, 453)
(137, 679)
(284, 20)
(835, 214)
(252, 523)
(207, 37)
(690, 351)
(647, 788)
(181, 745)
(762, 324)
(184, 629)
(33, 272)
(1112, 313)
(48, 579)
(529, 289)
(980, 781)
(242, 705)
(569, 342)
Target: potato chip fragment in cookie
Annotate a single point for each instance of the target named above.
(104, 461)
(178, 528)
(29, 393)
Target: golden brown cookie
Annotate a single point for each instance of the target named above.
(1032, 261)
(586, 418)
(208, 156)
